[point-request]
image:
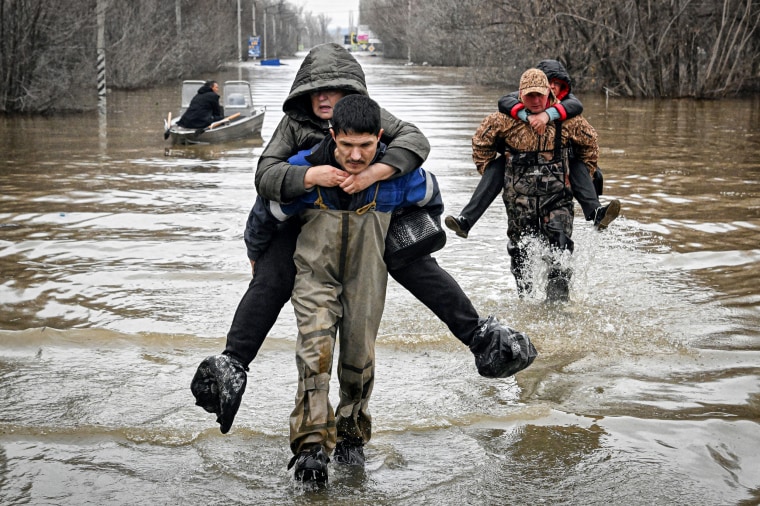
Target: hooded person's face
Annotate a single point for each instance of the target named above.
(559, 87)
(323, 101)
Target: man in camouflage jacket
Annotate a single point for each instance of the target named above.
(537, 190)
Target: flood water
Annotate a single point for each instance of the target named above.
(122, 265)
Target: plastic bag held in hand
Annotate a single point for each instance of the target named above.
(218, 387)
(501, 351)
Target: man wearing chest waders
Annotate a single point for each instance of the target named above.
(537, 191)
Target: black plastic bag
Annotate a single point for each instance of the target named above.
(501, 351)
(218, 387)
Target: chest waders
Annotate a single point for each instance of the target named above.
(539, 203)
(339, 293)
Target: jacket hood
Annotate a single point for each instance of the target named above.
(555, 70)
(204, 89)
(327, 66)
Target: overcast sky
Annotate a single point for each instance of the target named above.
(338, 10)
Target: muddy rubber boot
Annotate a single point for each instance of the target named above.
(311, 465)
(558, 286)
(349, 451)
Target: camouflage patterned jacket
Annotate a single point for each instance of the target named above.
(498, 133)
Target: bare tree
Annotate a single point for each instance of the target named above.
(46, 55)
(653, 48)
(702, 48)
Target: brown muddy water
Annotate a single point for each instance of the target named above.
(122, 264)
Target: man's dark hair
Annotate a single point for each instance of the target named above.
(357, 114)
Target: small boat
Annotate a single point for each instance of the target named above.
(242, 120)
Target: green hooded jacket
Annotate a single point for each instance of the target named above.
(327, 66)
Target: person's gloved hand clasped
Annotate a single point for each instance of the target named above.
(218, 387)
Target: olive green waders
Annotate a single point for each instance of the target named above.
(339, 289)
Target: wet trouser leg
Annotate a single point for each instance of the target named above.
(583, 188)
(267, 293)
(558, 229)
(435, 288)
(518, 260)
(489, 187)
(312, 421)
(364, 300)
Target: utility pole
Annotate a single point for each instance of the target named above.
(240, 36)
(274, 34)
(100, 14)
(178, 16)
(409, 32)
(266, 43)
(253, 18)
(101, 52)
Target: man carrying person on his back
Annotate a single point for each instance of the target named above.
(585, 183)
(340, 283)
(328, 73)
(536, 185)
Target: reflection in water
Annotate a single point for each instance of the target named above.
(123, 262)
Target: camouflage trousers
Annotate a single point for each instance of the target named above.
(539, 205)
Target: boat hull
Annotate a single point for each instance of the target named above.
(242, 128)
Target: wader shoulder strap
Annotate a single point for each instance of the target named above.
(368, 207)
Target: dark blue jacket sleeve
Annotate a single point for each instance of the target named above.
(422, 190)
(259, 228)
(435, 204)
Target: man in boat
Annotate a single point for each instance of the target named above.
(204, 108)
(586, 183)
(328, 73)
(537, 190)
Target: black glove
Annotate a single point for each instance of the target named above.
(218, 387)
(500, 351)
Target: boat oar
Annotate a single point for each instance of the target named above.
(218, 123)
(168, 125)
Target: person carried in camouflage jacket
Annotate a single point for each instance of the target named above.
(537, 190)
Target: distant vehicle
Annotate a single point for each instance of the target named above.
(363, 42)
(242, 120)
